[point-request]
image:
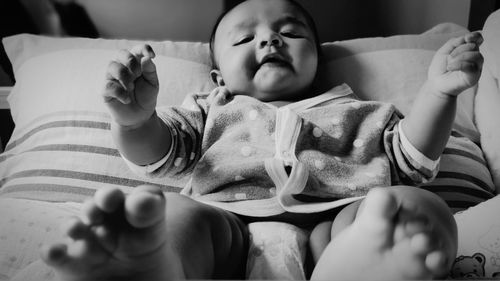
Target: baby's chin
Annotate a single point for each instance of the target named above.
(268, 94)
(275, 83)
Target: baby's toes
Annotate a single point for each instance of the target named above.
(87, 252)
(410, 254)
(76, 229)
(55, 255)
(76, 256)
(92, 213)
(109, 199)
(422, 244)
(438, 263)
(410, 227)
(145, 206)
(429, 250)
(86, 243)
(97, 225)
(106, 237)
(418, 224)
(378, 212)
(429, 245)
(105, 202)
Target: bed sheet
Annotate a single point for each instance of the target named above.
(277, 250)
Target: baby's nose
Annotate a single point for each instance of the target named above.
(272, 40)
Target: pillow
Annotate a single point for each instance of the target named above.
(488, 96)
(25, 46)
(61, 148)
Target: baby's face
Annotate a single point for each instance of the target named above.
(265, 49)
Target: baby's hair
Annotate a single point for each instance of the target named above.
(302, 10)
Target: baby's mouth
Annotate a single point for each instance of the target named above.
(275, 60)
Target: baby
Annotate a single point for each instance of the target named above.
(267, 145)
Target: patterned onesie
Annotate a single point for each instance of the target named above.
(256, 159)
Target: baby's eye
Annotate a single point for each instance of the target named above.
(291, 34)
(243, 40)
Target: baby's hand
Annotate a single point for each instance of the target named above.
(457, 65)
(131, 86)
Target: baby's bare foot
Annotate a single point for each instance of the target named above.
(119, 237)
(399, 233)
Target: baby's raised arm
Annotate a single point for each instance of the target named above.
(130, 93)
(456, 66)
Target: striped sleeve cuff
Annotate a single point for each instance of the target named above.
(415, 154)
(147, 169)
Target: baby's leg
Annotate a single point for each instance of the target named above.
(398, 233)
(133, 238)
(325, 231)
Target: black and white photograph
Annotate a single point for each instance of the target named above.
(249, 140)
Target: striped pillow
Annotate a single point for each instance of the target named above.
(67, 156)
(464, 179)
(61, 148)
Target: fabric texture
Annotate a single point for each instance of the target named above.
(21, 236)
(464, 179)
(236, 149)
(478, 255)
(276, 251)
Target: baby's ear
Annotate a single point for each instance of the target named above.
(216, 77)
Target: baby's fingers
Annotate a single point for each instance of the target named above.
(144, 53)
(135, 58)
(451, 45)
(474, 37)
(470, 40)
(113, 90)
(119, 82)
(131, 61)
(122, 74)
(466, 47)
(143, 50)
(467, 61)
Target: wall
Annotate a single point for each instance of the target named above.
(346, 19)
(187, 20)
(337, 20)
(411, 16)
(192, 20)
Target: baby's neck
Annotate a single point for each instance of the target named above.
(279, 103)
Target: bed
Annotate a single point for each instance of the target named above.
(61, 151)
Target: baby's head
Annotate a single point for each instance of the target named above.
(267, 49)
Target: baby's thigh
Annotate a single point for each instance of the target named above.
(191, 218)
(421, 201)
(207, 235)
(409, 198)
(325, 231)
